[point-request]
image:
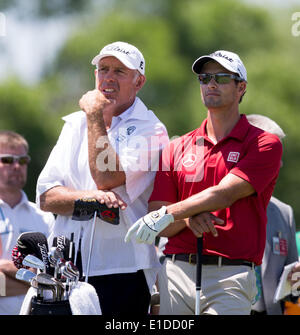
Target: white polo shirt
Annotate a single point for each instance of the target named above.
(24, 217)
(137, 136)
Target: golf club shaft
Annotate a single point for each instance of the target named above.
(198, 274)
(91, 246)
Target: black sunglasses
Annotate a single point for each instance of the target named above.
(11, 159)
(220, 78)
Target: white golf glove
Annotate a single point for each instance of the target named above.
(149, 226)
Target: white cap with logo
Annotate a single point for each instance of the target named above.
(126, 53)
(227, 59)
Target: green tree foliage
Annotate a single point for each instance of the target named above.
(171, 35)
(23, 110)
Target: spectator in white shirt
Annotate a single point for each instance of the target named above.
(17, 215)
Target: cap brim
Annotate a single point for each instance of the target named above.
(123, 60)
(198, 64)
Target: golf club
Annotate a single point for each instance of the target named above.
(25, 275)
(34, 262)
(40, 289)
(43, 279)
(91, 246)
(54, 255)
(198, 274)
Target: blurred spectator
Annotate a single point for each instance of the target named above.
(17, 215)
(293, 308)
(281, 246)
(298, 243)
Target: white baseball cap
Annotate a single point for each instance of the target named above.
(126, 53)
(227, 59)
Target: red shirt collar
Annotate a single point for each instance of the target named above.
(239, 131)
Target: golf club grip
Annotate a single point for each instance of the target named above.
(71, 249)
(199, 263)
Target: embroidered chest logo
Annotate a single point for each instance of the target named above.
(189, 160)
(233, 157)
(130, 130)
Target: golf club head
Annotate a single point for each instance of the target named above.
(54, 255)
(65, 273)
(34, 262)
(25, 275)
(45, 279)
(63, 244)
(72, 269)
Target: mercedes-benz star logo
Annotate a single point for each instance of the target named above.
(189, 160)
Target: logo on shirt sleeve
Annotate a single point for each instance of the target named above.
(233, 157)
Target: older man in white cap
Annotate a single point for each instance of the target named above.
(108, 151)
(221, 180)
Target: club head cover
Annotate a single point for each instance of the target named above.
(17, 257)
(35, 243)
(85, 208)
(110, 215)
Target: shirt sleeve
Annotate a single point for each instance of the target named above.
(165, 187)
(140, 156)
(261, 163)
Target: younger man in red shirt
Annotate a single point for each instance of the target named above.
(222, 173)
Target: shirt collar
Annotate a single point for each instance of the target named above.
(239, 131)
(23, 201)
(137, 110)
(128, 111)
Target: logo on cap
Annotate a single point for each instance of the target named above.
(116, 48)
(219, 54)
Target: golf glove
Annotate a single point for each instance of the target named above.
(149, 226)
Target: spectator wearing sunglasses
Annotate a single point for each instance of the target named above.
(17, 215)
(215, 183)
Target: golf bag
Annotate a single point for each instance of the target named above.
(50, 307)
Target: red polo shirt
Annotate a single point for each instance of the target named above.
(193, 163)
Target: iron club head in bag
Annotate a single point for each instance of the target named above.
(34, 262)
(65, 245)
(43, 279)
(72, 269)
(54, 255)
(25, 275)
(40, 289)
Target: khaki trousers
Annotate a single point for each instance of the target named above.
(226, 290)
